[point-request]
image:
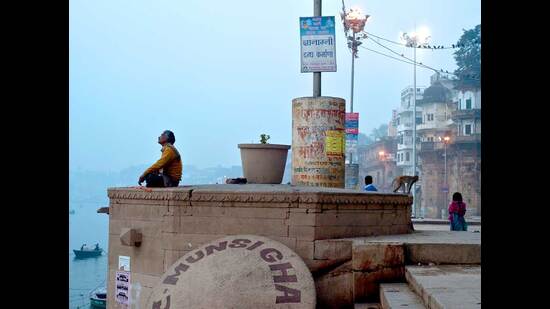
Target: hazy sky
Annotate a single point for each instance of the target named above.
(220, 73)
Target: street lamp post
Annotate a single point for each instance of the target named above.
(446, 140)
(355, 21)
(317, 75)
(413, 40)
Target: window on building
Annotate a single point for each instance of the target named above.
(419, 120)
(407, 156)
(459, 103)
(469, 104)
(468, 129)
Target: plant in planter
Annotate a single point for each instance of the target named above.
(263, 162)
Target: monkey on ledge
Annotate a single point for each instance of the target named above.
(404, 182)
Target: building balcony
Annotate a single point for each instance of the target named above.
(432, 125)
(431, 146)
(466, 114)
(474, 138)
(404, 146)
(404, 127)
(402, 110)
(404, 163)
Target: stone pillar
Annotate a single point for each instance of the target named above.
(318, 141)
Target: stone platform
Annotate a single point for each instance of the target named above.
(170, 222)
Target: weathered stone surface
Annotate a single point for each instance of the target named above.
(130, 237)
(444, 253)
(240, 271)
(333, 249)
(438, 247)
(446, 286)
(176, 221)
(366, 284)
(375, 256)
(335, 288)
(398, 296)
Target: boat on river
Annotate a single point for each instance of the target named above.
(86, 252)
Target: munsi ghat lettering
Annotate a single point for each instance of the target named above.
(283, 272)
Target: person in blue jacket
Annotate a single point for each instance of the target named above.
(368, 184)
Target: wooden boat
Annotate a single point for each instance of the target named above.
(98, 298)
(87, 252)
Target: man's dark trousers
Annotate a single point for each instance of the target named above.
(157, 180)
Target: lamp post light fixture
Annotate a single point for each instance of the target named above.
(354, 20)
(415, 39)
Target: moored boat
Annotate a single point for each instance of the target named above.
(98, 298)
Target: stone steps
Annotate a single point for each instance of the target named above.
(367, 306)
(446, 286)
(399, 295)
(365, 263)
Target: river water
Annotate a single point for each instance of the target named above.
(86, 226)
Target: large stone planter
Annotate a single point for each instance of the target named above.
(264, 163)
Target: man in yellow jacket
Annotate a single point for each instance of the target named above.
(166, 172)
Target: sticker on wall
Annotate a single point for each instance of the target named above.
(122, 291)
(123, 263)
(334, 143)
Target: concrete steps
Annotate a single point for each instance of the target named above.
(399, 295)
(362, 265)
(446, 286)
(367, 306)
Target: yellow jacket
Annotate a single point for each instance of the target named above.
(169, 163)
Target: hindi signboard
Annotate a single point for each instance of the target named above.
(317, 44)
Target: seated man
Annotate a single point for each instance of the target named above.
(166, 172)
(368, 184)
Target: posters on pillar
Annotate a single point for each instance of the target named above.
(352, 133)
(317, 44)
(122, 291)
(334, 143)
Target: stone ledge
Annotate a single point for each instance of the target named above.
(257, 193)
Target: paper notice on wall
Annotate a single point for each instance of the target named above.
(334, 143)
(123, 263)
(122, 291)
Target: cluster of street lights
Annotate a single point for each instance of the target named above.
(354, 20)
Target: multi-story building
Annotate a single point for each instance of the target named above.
(448, 128)
(465, 156)
(449, 153)
(405, 128)
(378, 160)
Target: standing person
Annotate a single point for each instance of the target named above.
(166, 172)
(368, 184)
(457, 210)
